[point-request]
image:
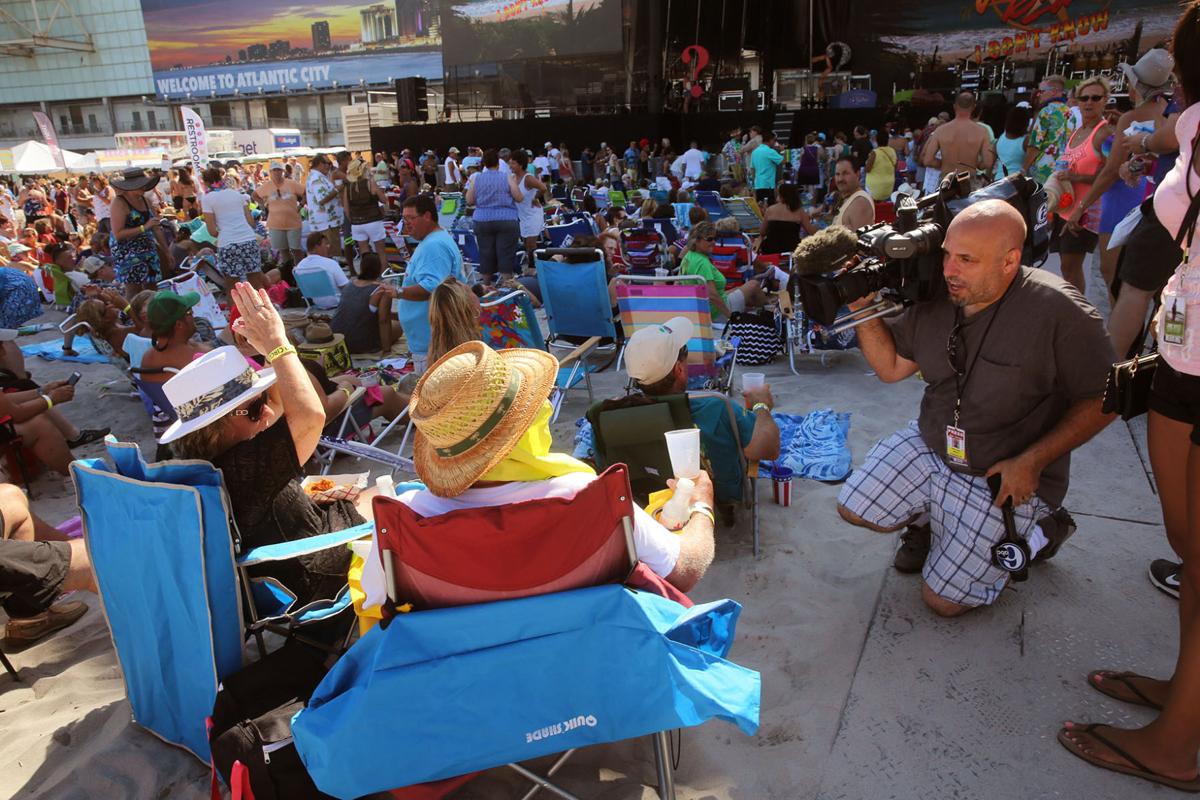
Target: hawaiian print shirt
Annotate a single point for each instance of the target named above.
(1049, 134)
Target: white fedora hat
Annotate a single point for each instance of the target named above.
(209, 388)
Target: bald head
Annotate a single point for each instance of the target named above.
(1003, 222)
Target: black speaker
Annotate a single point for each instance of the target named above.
(412, 104)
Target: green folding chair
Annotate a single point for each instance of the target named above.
(629, 430)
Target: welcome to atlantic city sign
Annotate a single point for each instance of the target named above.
(232, 80)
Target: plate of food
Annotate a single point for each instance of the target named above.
(325, 489)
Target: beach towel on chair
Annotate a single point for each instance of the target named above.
(450, 691)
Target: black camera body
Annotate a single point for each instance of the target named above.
(903, 260)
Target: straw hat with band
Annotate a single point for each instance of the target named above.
(471, 408)
(211, 387)
(135, 179)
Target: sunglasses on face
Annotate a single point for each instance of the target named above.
(254, 409)
(709, 238)
(1091, 98)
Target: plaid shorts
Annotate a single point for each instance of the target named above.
(902, 478)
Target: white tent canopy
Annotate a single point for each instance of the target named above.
(34, 157)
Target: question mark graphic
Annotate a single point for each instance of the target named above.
(698, 55)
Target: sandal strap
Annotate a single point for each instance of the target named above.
(1124, 679)
(1090, 730)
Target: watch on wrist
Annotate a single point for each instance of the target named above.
(760, 407)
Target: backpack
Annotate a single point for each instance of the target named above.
(250, 730)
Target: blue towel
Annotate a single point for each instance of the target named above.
(812, 445)
(52, 351)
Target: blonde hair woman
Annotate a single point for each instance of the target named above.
(453, 317)
(697, 260)
(1085, 159)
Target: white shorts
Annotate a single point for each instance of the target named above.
(369, 232)
(902, 477)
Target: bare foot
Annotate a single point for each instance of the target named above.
(1129, 687)
(1140, 744)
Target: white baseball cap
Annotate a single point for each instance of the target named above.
(653, 351)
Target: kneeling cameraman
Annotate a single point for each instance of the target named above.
(1015, 361)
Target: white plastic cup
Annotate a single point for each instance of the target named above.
(753, 380)
(683, 446)
(661, 272)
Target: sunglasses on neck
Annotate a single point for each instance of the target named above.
(254, 409)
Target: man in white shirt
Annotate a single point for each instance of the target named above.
(553, 154)
(318, 260)
(693, 162)
(451, 173)
(542, 165)
(323, 199)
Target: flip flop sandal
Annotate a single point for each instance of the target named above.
(1138, 699)
(1135, 769)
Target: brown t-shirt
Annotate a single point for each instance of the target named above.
(1046, 351)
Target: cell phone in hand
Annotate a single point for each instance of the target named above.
(74, 379)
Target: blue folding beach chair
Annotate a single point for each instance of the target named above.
(314, 284)
(711, 202)
(470, 250)
(575, 298)
(664, 226)
(562, 235)
(174, 586)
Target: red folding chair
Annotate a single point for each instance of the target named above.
(536, 547)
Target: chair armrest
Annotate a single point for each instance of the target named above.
(313, 544)
(578, 352)
(355, 396)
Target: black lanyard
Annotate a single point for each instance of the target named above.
(962, 379)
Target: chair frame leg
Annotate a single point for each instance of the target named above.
(9, 668)
(666, 778)
(544, 782)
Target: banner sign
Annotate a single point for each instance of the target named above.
(47, 128)
(197, 140)
(1021, 29)
(6, 160)
(227, 48)
(129, 157)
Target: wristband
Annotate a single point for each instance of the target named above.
(702, 508)
(762, 406)
(349, 392)
(1145, 138)
(280, 352)
(49, 402)
(128, 307)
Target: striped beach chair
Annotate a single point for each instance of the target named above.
(646, 301)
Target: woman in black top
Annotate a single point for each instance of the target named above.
(784, 221)
(364, 202)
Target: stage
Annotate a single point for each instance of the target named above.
(710, 129)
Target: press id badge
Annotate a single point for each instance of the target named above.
(1175, 321)
(956, 445)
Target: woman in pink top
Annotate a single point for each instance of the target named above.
(1084, 159)
(1165, 750)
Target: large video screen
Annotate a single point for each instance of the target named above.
(482, 31)
(224, 48)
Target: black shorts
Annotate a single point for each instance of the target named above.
(177, 202)
(1078, 240)
(1176, 396)
(1150, 254)
(32, 574)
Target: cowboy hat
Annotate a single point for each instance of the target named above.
(1151, 73)
(135, 179)
(471, 408)
(209, 388)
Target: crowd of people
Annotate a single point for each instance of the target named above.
(996, 426)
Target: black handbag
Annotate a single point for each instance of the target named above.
(1128, 389)
(759, 339)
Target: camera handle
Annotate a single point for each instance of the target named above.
(881, 308)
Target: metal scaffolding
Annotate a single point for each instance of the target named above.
(24, 37)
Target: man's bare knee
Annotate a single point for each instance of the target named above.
(940, 605)
(855, 519)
